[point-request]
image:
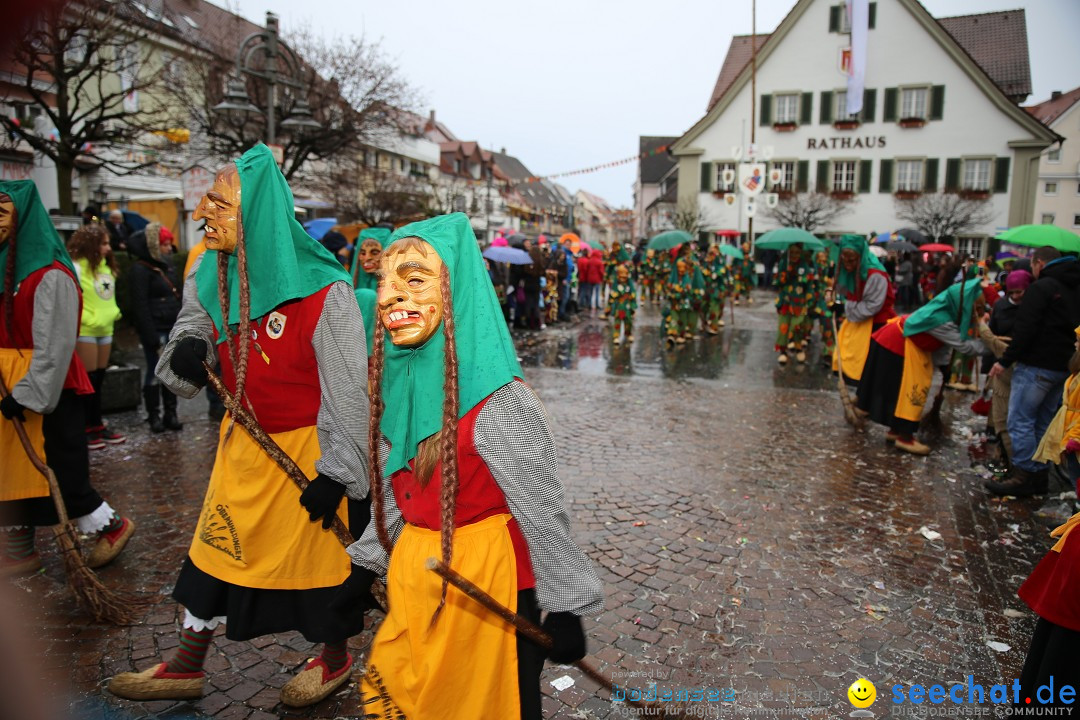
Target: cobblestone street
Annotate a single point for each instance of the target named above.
(748, 539)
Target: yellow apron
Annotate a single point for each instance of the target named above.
(21, 479)
(1053, 440)
(852, 347)
(252, 531)
(465, 666)
(915, 382)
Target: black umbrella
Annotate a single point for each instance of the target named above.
(517, 240)
(913, 236)
(901, 246)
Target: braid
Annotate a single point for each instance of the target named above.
(448, 438)
(375, 434)
(245, 316)
(7, 299)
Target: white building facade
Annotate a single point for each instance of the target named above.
(1057, 199)
(932, 121)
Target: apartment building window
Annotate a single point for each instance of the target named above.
(722, 186)
(787, 108)
(913, 103)
(969, 246)
(1048, 218)
(1076, 220)
(1054, 156)
(909, 175)
(843, 176)
(977, 174)
(787, 181)
(840, 112)
(1050, 188)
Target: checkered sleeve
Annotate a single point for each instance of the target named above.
(341, 356)
(513, 438)
(367, 552)
(193, 321)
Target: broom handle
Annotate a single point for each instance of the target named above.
(271, 448)
(527, 628)
(37, 462)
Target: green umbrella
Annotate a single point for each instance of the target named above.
(669, 239)
(1039, 235)
(730, 250)
(786, 237)
(595, 245)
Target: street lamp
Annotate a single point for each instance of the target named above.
(236, 97)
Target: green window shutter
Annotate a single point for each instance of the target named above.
(869, 105)
(834, 18)
(952, 174)
(802, 183)
(706, 177)
(885, 182)
(826, 107)
(703, 237)
(806, 108)
(888, 113)
(930, 174)
(766, 110)
(822, 176)
(873, 15)
(937, 102)
(1001, 174)
(866, 169)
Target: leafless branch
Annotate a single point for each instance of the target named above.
(942, 216)
(809, 211)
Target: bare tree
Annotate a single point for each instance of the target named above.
(689, 216)
(944, 215)
(353, 90)
(89, 67)
(809, 211)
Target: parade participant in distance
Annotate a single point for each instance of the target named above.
(369, 246)
(900, 365)
(795, 281)
(745, 274)
(279, 312)
(868, 296)
(684, 289)
(40, 311)
(715, 272)
(821, 309)
(463, 469)
(623, 305)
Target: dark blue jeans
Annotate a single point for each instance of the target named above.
(1036, 395)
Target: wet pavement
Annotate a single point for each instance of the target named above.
(748, 540)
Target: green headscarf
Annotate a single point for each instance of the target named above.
(284, 262)
(623, 255)
(38, 243)
(412, 379)
(847, 280)
(363, 279)
(945, 308)
(366, 300)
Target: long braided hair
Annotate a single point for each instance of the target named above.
(238, 355)
(444, 444)
(7, 298)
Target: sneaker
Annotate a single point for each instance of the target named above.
(1019, 483)
(94, 441)
(109, 545)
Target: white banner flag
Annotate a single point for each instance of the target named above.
(859, 12)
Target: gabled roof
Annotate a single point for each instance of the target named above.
(996, 41)
(949, 43)
(653, 167)
(1047, 112)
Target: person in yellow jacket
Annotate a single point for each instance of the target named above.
(95, 268)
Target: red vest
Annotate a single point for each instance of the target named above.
(886, 312)
(479, 496)
(282, 374)
(22, 335)
(891, 337)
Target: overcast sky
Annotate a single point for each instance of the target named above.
(568, 84)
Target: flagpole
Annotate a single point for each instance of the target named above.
(753, 110)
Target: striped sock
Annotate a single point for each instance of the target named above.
(191, 653)
(18, 543)
(335, 655)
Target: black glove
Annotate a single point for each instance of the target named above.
(187, 360)
(321, 499)
(567, 635)
(353, 597)
(11, 408)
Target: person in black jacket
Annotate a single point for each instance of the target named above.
(155, 299)
(1042, 343)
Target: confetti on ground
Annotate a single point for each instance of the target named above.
(998, 646)
(929, 534)
(561, 683)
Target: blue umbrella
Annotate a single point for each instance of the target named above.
(508, 255)
(134, 220)
(319, 226)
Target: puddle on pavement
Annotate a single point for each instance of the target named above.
(736, 355)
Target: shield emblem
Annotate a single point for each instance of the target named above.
(728, 176)
(751, 178)
(772, 200)
(750, 207)
(776, 176)
(729, 199)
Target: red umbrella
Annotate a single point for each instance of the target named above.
(728, 233)
(936, 247)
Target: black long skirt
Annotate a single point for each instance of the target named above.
(879, 389)
(1054, 657)
(253, 612)
(64, 430)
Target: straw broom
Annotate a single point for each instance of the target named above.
(853, 418)
(102, 604)
(536, 635)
